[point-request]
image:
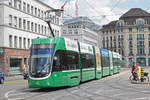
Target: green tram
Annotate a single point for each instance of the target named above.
(58, 61)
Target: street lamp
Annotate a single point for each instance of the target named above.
(48, 18)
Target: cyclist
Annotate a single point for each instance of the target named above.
(134, 71)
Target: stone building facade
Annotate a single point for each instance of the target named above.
(130, 36)
(20, 22)
(80, 29)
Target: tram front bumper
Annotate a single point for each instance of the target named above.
(39, 83)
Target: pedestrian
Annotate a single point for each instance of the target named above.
(134, 71)
(138, 71)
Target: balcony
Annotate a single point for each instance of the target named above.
(141, 54)
(131, 54)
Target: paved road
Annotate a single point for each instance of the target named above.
(116, 87)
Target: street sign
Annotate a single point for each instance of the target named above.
(1, 51)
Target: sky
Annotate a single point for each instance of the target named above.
(100, 11)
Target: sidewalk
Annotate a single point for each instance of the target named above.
(13, 78)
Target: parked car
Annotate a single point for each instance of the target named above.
(25, 75)
(1, 76)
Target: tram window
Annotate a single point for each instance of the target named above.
(68, 60)
(56, 63)
(87, 61)
(116, 61)
(105, 61)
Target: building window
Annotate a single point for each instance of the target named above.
(32, 26)
(15, 3)
(140, 51)
(140, 36)
(28, 25)
(24, 24)
(10, 2)
(42, 29)
(39, 27)
(10, 41)
(24, 42)
(75, 31)
(35, 27)
(24, 6)
(19, 4)
(118, 37)
(35, 11)
(32, 10)
(140, 43)
(39, 12)
(15, 41)
(64, 32)
(70, 31)
(42, 14)
(28, 43)
(140, 22)
(10, 19)
(45, 30)
(114, 38)
(149, 29)
(20, 42)
(130, 51)
(20, 23)
(130, 36)
(15, 21)
(130, 29)
(130, 44)
(28, 8)
(140, 29)
(58, 21)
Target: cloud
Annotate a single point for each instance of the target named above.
(97, 10)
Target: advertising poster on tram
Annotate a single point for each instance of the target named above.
(98, 61)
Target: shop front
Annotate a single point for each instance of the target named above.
(14, 61)
(141, 61)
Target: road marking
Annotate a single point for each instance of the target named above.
(16, 94)
(6, 94)
(12, 82)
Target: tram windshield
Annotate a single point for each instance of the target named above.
(40, 60)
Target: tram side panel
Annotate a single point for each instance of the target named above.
(111, 63)
(70, 62)
(119, 62)
(87, 62)
(105, 62)
(98, 68)
(115, 62)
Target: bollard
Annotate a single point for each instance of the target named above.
(142, 74)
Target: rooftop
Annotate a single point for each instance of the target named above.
(135, 12)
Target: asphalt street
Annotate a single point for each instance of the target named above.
(116, 87)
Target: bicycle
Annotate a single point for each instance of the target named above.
(146, 78)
